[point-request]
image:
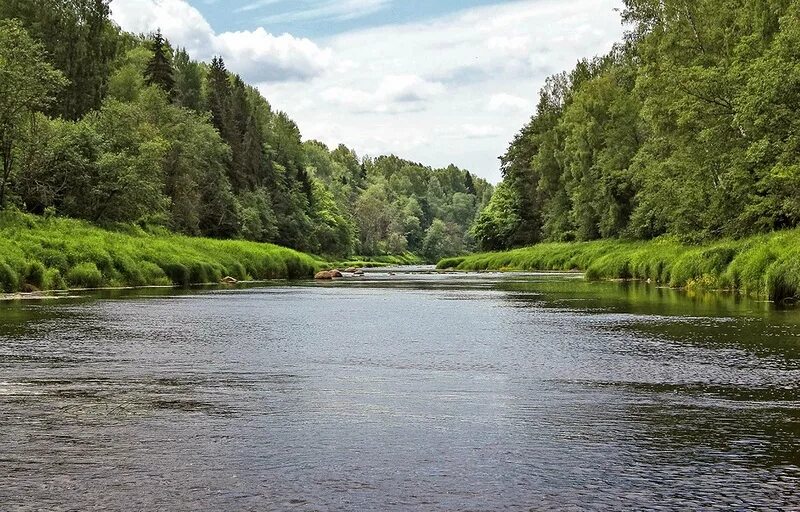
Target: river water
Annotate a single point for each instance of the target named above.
(404, 392)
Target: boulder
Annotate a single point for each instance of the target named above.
(229, 280)
(351, 270)
(328, 274)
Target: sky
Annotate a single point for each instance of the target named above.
(436, 81)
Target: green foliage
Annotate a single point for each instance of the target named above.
(9, 280)
(763, 265)
(188, 81)
(127, 80)
(81, 42)
(84, 275)
(36, 251)
(36, 274)
(157, 139)
(27, 85)
(158, 71)
(402, 201)
(687, 128)
(499, 221)
(442, 239)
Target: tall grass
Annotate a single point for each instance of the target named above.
(55, 253)
(765, 265)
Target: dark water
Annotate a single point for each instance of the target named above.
(418, 392)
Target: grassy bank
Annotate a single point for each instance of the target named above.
(765, 265)
(47, 254)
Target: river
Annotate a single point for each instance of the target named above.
(412, 391)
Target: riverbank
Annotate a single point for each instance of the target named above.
(39, 253)
(765, 265)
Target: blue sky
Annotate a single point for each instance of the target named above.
(322, 18)
(439, 81)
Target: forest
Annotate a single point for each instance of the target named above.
(688, 129)
(122, 129)
(685, 135)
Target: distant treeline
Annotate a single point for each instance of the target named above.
(112, 127)
(689, 128)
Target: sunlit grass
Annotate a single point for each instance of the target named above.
(56, 253)
(765, 265)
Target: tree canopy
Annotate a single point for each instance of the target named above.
(688, 128)
(138, 132)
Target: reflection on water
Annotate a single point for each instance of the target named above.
(422, 391)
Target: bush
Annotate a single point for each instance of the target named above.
(85, 275)
(177, 273)
(9, 280)
(35, 274)
(53, 280)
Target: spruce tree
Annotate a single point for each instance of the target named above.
(159, 70)
(469, 184)
(219, 91)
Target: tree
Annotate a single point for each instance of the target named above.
(219, 91)
(127, 183)
(28, 84)
(81, 42)
(188, 81)
(159, 70)
(128, 79)
(55, 160)
(498, 222)
(441, 240)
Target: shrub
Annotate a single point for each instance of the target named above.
(177, 273)
(35, 274)
(53, 280)
(9, 280)
(85, 275)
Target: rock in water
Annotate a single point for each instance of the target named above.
(229, 280)
(328, 274)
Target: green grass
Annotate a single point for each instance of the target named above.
(56, 253)
(765, 265)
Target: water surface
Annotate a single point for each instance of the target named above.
(413, 391)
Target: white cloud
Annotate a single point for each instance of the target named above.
(472, 131)
(256, 5)
(395, 93)
(338, 10)
(179, 21)
(509, 45)
(488, 64)
(453, 89)
(503, 102)
(263, 57)
(256, 54)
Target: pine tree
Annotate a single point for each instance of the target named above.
(219, 91)
(159, 70)
(469, 184)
